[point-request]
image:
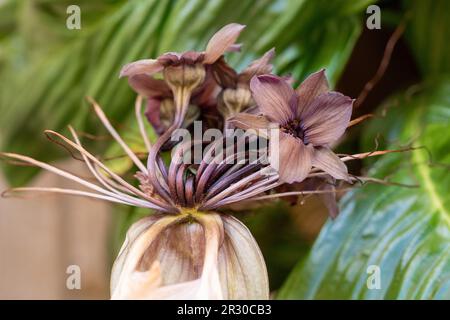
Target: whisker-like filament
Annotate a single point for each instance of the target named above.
(226, 192)
(138, 111)
(64, 174)
(73, 192)
(99, 176)
(258, 185)
(101, 115)
(237, 198)
(111, 173)
(297, 193)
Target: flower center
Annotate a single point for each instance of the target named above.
(295, 129)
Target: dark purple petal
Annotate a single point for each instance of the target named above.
(148, 86)
(225, 75)
(295, 159)
(273, 96)
(325, 119)
(192, 57)
(326, 160)
(169, 58)
(221, 41)
(153, 115)
(145, 66)
(309, 89)
(205, 96)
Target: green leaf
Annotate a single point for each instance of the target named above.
(427, 34)
(44, 79)
(404, 231)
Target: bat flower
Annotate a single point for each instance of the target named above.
(160, 110)
(187, 248)
(236, 96)
(221, 42)
(310, 119)
(184, 72)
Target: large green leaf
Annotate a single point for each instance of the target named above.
(404, 231)
(44, 79)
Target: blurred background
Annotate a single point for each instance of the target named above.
(46, 70)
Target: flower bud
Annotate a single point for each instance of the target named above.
(189, 76)
(233, 101)
(189, 256)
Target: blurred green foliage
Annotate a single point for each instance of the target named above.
(403, 231)
(427, 35)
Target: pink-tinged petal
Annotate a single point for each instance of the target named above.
(247, 121)
(325, 119)
(259, 66)
(145, 66)
(326, 160)
(295, 159)
(273, 95)
(253, 110)
(309, 89)
(221, 41)
(289, 79)
(148, 86)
